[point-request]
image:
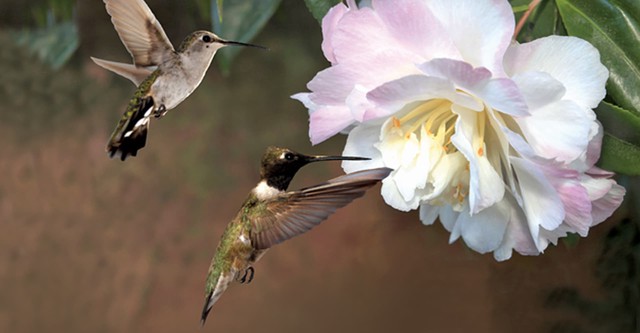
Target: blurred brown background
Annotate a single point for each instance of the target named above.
(89, 244)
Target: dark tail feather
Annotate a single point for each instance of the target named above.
(131, 133)
(206, 309)
(129, 145)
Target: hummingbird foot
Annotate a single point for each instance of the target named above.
(160, 112)
(248, 275)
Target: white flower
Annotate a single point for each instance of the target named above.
(495, 138)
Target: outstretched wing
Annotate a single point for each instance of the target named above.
(293, 213)
(140, 31)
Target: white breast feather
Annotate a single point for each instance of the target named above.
(264, 192)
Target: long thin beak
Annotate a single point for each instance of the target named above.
(319, 158)
(230, 42)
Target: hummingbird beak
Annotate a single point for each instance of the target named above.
(318, 158)
(230, 42)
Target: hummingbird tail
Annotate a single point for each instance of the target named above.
(221, 282)
(206, 309)
(131, 133)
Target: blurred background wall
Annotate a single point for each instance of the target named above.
(89, 244)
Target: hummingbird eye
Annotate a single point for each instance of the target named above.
(288, 156)
(207, 39)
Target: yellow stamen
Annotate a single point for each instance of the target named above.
(396, 122)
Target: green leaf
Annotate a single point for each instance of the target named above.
(242, 21)
(319, 8)
(219, 5)
(543, 21)
(621, 142)
(54, 45)
(612, 26)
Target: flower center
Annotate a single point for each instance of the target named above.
(434, 116)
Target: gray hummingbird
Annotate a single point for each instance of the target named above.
(271, 215)
(164, 76)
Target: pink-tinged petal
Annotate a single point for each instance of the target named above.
(481, 30)
(504, 96)
(485, 185)
(334, 84)
(501, 94)
(558, 131)
(329, 23)
(605, 194)
(594, 147)
(542, 204)
(517, 236)
(460, 73)
(328, 121)
(305, 99)
(413, 25)
(358, 103)
(605, 206)
(428, 213)
(570, 60)
(577, 206)
(539, 89)
(393, 95)
(362, 34)
(483, 232)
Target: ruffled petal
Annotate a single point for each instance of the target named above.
(541, 204)
(483, 232)
(393, 95)
(428, 213)
(480, 30)
(329, 23)
(605, 194)
(501, 94)
(558, 131)
(412, 24)
(360, 143)
(327, 122)
(570, 60)
(486, 186)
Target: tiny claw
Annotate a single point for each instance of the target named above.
(252, 272)
(160, 112)
(246, 274)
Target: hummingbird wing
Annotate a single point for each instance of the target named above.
(293, 213)
(134, 73)
(140, 32)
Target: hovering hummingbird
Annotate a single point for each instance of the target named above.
(271, 215)
(164, 76)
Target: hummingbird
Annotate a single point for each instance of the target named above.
(270, 215)
(164, 76)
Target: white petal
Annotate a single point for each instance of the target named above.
(542, 204)
(539, 88)
(481, 30)
(395, 94)
(413, 25)
(486, 186)
(570, 60)
(394, 198)
(517, 236)
(483, 232)
(428, 213)
(360, 143)
(499, 93)
(448, 218)
(558, 131)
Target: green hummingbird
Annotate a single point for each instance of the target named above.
(164, 76)
(271, 215)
